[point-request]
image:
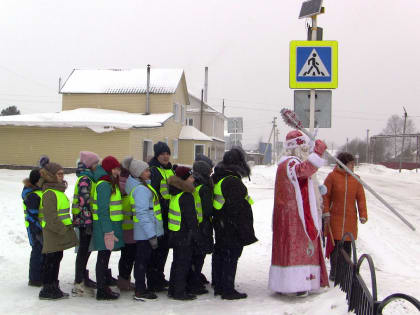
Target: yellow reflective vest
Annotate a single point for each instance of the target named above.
(164, 187)
(115, 204)
(198, 205)
(219, 200)
(25, 210)
(174, 213)
(157, 211)
(63, 207)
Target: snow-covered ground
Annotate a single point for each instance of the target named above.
(395, 250)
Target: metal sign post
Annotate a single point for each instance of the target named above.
(312, 96)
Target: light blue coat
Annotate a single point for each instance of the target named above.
(148, 226)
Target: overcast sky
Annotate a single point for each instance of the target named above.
(244, 43)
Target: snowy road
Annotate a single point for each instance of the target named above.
(395, 250)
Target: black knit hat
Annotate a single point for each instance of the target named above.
(202, 157)
(161, 147)
(234, 156)
(202, 168)
(34, 176)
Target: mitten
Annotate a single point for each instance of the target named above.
(110, 239)
(320, 147)
(363, 220)
(153, 242)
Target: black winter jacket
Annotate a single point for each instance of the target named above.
(188, 234)
(206, 227)
(234, 223)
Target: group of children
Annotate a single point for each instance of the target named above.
(141, 210)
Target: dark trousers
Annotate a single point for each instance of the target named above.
(225, 261)
(181, 264)
(143, 255)
(335, 253)
(194, 274)
(83, 255)
(51, 267)
(157, 263)
(126, 262)
(102, 268)
(36, 261)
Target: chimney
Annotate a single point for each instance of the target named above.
(206, 83)
(148, 91)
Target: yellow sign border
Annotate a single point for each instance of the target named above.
(293, 84)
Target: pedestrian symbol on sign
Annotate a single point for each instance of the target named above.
(313, 67)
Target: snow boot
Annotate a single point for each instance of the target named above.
(124, 284)
(58, 290)
(235, 295)
(182, 297)
(106, 294)
(199, 290)
(110, 280)
(148, 295)
(50, 292)
(88, 282)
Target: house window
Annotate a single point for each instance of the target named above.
(198, 149)
(147, 150)
(182, 113)
(190, 121)
(175, 149)
(176, 112)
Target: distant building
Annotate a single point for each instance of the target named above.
(105, 111)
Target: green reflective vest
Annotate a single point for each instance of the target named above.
(25, 210)
(127, 224)
(115, 204)
(198, 205)
(75, 210)
(63, 207)
(174, 213)
(164, 187)
(219, 200)
(157, 211)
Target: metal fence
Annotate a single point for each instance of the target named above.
(360, 299)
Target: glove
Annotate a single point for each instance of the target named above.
(320, 147)
(153, 242)
(363, 220)
(110, 239)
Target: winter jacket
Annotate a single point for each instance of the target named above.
(233, 223)
(84, 218)
(148, 226)
(188, 234)
(104, 224)
(128, 234)
(206, 227)
(32, 202)
(156, 177)
(340, 202)
(56, 235)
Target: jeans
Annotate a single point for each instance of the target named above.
(157, 264)
(83, 254)
(143, 255)
(126, 262)
(102, 268)
(36, 261)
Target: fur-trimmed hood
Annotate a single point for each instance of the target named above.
(221, 170)
(177, 185)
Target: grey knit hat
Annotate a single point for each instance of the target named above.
(135, 167)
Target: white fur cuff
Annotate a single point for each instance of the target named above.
(316, 160)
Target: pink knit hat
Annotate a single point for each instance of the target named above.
(89, 158)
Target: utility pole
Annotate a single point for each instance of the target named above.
(402, 147)
(223, 106)
(312, 91)
(201, 110)
(347, 145)
(367, 146)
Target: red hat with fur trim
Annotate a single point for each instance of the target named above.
(295, 138)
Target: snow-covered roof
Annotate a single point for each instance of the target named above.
(162, 81)
(192, 133)
(98, 120)
(207, 107)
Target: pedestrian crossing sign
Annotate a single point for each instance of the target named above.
(313, 64)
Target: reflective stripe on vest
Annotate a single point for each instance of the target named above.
(174, 213)
(25, 210)
(198, 205)
(115, 204)
(63, 207)
(157, 212)
(219, 200)
(164, 187)
(75, 210)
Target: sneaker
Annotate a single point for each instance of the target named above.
(183, 297)
(235, 295)
(106, 294)
(148, 295)
(80, 289)
(35, 283)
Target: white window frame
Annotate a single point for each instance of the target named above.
(199, 145)
(175, 148)
(151, 148)
(190, 121)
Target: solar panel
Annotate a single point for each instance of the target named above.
(310, 8)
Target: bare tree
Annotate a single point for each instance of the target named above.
(11, 110)
(395, 126)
